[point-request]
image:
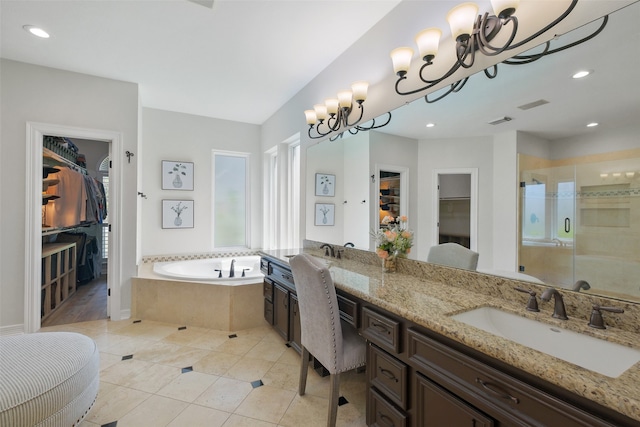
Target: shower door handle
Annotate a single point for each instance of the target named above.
(567, 225)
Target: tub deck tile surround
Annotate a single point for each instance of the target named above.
(428, 294)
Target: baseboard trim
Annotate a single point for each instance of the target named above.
(12, 330)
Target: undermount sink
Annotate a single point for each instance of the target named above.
(607, 358)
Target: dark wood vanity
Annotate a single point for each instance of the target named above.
(418, 377)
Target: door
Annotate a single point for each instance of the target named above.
(281, 311)
(33, 239)
(295, 333)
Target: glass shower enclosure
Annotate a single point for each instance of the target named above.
(579, 223)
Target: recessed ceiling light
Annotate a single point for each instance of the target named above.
(430, 125)
(36, 31)
(581, 74)
(592, 125)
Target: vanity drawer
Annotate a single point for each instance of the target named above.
(348, 310)
(264, 266)
(381, 330)
(381, 413)
(490, 389)
(281, 276)
(388, 375)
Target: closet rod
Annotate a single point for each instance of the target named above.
(58, 158)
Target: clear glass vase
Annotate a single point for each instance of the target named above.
(390, 262)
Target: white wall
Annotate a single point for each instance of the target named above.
(184, 137)
(453, 154)
(326, 158)
(32, 93)
(357, 200)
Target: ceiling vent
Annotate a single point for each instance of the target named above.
(533, 104)
(500, 120)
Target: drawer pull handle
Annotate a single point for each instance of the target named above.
(490, 387)
(387, 373)
(388, 421)
(380, 326)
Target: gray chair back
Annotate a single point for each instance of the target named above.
(319, 314)
(453, 255)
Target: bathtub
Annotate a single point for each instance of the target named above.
(213, 270)
(190, 293)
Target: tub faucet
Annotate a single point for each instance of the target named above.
(232, 272)
(559, 311)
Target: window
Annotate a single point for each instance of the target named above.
(103, 171)
(230, 199)
(533, 220)
(293, 237)
(271, 216)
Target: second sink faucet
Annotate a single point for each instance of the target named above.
(559, 311)
(328, 250)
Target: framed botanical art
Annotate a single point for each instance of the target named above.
(177, 175)
(325, 213)
(325, 184)
(177, 214)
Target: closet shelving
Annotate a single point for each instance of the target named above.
(59, 260)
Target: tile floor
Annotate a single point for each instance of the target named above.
(155, 374)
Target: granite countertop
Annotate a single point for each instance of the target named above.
(430, 303)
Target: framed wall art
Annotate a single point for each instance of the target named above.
(325, 213)
(177, 214)
(177, 175)
(325, 184)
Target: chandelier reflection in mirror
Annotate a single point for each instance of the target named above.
(473, 33)
(341, 113)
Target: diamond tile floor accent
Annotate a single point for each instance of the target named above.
(145, 379)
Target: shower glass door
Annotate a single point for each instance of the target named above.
(547, 207)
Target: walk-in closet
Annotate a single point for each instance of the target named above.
(75, 230)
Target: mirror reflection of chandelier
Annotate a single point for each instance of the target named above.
(473, 33)
(335, 113)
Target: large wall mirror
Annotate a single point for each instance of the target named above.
(546, 141)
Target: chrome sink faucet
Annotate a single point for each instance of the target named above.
(559, 311)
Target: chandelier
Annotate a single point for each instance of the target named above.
(343, 112)
(473, 34)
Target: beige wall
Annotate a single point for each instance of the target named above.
(31, 93)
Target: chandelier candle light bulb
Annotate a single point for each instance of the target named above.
(359, 90)
(344, 99)
(428, 41)
(332, 106)
(461, 20)
(321, 112)
(401, 58)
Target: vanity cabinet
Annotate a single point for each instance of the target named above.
(281, 311)
(281, 303)
(419, 378)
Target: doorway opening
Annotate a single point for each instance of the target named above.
(456, 207)
(78, 176)
(392, 194)
(38, 227)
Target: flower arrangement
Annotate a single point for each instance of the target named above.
(395, 241)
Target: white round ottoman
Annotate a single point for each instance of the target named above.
(47, 379)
